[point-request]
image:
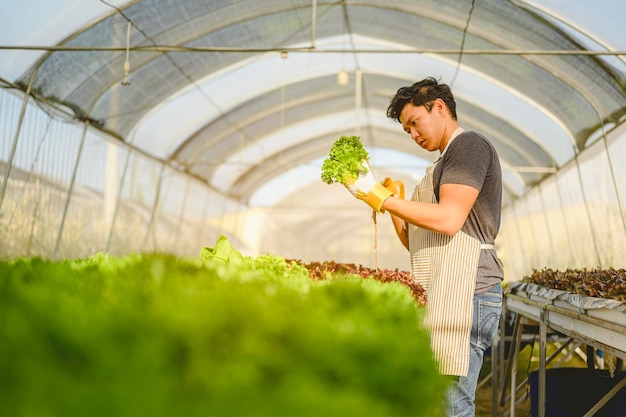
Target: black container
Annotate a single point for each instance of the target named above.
(571, 392)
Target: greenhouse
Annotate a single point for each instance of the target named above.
(196, 130)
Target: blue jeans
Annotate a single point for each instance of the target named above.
(487, 310)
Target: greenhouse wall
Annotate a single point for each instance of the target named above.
(70, 191)
(574, 218)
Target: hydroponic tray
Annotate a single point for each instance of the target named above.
(598, 322)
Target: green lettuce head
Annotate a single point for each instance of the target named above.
(345, 160)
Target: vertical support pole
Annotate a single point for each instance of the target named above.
(110, 187)
(512, 358)
(515, 344)
(153, 214)
(546, 223)
(118, 200)
(520, 232)
(181, 216)
(70, 191)
(588, 212)
(564, 214)
(498, 361)
(542, 363)
(535, 256)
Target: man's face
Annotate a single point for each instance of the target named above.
(422, 125)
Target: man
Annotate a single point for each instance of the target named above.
(449, 227)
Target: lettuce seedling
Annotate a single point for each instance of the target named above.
(345, 160)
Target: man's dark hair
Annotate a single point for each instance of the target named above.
(422, 93)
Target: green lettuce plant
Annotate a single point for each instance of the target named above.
(345, 160)
(218, 335)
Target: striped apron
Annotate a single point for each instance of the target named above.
(446, 266)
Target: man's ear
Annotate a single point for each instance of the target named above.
(440, 106)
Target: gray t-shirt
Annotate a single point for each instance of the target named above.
(472, 160)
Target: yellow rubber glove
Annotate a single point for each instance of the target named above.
(366, 188)
(396, 187)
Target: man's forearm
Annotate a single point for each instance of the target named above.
(398, 225)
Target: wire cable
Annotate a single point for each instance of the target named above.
(467, 23)
(127, 62)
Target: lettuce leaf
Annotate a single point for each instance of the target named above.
(222, 252)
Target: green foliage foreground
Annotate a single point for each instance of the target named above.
(221, 335)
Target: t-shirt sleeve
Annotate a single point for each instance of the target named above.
(467, 161)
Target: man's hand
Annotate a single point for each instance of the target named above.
(366, 188)
(396, 187)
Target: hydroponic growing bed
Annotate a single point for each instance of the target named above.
(585, 306)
